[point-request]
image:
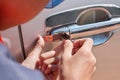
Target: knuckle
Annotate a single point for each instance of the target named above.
(39, 45)
(89, 39)
(94, 69)
(86, 52)
(68, 44)
(92, 60)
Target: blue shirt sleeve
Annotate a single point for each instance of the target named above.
(11, 70)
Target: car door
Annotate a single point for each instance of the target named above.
(106, 43)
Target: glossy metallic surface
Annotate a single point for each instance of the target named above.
(88, 22)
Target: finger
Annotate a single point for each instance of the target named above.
(68, 46)
(50, 61)
(51, 68)
(58, 49)
(54, 60)
(86, 47)
(46, 55)
(87, 43)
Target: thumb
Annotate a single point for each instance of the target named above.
(67, 51)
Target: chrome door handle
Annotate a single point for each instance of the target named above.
(75, 30)
(91, 21)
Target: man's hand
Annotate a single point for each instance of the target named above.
(45, 62)
(78, 62)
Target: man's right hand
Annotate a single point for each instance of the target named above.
(78, 61)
